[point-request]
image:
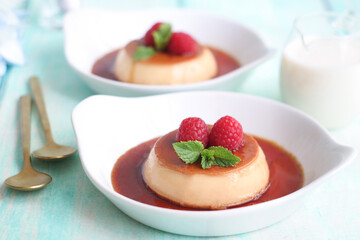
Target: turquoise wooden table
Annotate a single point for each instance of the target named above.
(72, 208)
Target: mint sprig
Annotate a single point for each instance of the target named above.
(161, 39)
(162, 36)
(143, 53)
(190, 151)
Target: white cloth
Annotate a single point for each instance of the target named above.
(10, 47)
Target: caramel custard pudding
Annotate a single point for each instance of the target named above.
(163, 68)
(215, 188)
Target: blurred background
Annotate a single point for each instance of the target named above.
(32, 43)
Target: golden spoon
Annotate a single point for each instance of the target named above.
(28, 179)
(51, 150)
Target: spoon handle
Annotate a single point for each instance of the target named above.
(39, 100)
(25, 111)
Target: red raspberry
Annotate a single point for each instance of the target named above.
(182, 44)
(192, 129)
(227, 132)
(149, 39)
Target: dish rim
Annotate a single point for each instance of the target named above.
(351, 152)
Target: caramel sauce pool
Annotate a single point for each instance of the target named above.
(103, 66)
(286, 175)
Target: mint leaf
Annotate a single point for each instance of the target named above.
(224, 157)
(207, 158)
(143, 53)
(188, 152)
(162, 36)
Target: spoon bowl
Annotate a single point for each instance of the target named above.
(53, 151)
(28, 180)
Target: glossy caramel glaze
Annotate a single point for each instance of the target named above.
(160, 57)
(169, 159)
(103, 67)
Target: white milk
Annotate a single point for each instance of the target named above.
(323, 79)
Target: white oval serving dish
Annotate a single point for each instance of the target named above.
(107, 126)
(91, 33)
